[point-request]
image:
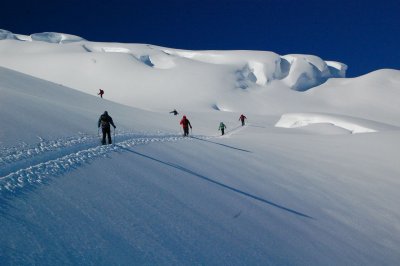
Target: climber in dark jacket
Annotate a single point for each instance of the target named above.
(101, 92)
(105, 121)
(175, 112)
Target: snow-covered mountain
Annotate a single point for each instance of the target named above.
(313, 177)
(133, 73)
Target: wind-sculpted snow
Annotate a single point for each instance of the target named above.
(159, 61)
(237, 79)
(106, 49)
(50, 37)
(260, 68)
(152, 58)
(337, 69)
(352, 125)
(308, 71)
(5, 34)
(55, 37)
(31, 165)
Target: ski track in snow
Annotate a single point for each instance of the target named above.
(232, 131)
(25, 165)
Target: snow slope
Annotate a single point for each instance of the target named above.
(159, 79)
(133, 73)
(292, 187)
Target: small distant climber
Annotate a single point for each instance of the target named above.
(175, 112)
(222, 128)
(242, 118)
(105, 121)
(101, 93)
(185, 125)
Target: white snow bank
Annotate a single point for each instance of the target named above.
(252, 67)
(296, 120)
(55, 37)
(307, 71)
(115, 50)
(261, 67)
(152, 58)
(337, 69)
(5, 34)
(106, 49)
(161, 61)
(22, 37)
(50, 37)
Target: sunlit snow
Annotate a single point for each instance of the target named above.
(294, 186)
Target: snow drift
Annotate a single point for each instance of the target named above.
(216, 76)
(50, 37)
(350, 124)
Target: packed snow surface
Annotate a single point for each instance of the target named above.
(293, 186)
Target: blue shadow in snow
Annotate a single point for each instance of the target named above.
(218, 183)
(224, 145)
(256, 126)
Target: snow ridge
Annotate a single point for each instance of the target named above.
(50, 37)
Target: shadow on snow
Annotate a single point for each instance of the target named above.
(181, 168)
(224, 145)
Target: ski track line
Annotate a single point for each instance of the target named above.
(15, 158)
(24, 151)
(67, 156)
(234, 130)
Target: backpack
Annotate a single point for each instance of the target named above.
(104, 121)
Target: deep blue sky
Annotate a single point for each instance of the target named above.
(363, 34)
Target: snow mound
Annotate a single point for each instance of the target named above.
(252, 67)
(221, 108)
(308, 71)
(353, 125)
(106, 49)
(246, 77)
(5, 34)
(154, 59)
(55, 37)
(337, 69)
(50, 37)
(21, 37)
(300, 72)
(160, 61)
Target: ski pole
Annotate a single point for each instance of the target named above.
(114, 137)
